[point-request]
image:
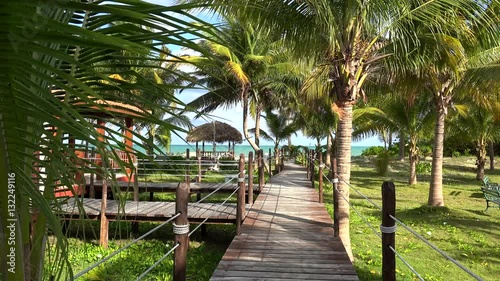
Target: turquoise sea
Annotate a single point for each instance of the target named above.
(181, 149)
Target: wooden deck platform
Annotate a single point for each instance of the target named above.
(287, 235)
(148, 211)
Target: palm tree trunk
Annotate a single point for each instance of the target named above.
(413, 162)
(328, 149)
(481, 158)
(258, 113)
(436, 185)
(245, 120)
(401, 146)
(491, 151)
(343, 142)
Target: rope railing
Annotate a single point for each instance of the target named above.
(157, 262)
(213, 211)
(386, 229)
(105, 259)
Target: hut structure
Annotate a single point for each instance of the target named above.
(215, 132)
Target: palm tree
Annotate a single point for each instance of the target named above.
(278, 130)
(409, 115)
(348, 39)
(243, 60)
(66, 47)
(478, 125)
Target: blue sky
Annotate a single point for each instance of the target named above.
(234, 116)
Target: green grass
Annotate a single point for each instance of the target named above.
(203, 255)
(462, 229)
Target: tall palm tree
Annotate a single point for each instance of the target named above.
(347, 38)
(69, 47)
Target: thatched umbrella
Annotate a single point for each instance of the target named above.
(215, 132)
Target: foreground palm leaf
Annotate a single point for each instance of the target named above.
(68, 47)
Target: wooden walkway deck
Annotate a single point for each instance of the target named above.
(287, 235)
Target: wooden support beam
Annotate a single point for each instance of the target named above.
(388, 231)
(181, 237)
(240, 205)
(250, 178)
(262, 176)
(320, 174)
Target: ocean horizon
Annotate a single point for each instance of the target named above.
(180, 149)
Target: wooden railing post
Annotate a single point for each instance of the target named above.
(181, 231)
(312, 169)
(308, 162)
(250, 178)
(270, 163)
(198, 157)
(282, 159)
(320, 173)
(92, 188)
(188, 178)
(388, 229)
(336, 216)
(240, 205)
(261, 169)
(103, 236)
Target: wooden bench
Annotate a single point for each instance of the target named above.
(491, 192)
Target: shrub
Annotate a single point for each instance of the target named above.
(423, 167)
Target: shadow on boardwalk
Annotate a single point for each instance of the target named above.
(287, 235)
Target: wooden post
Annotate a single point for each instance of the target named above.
(261, 170)
(282, 159)
(270, 163)
(198, 156)
(307, 162)
(92, 188)
(250, 178)
(312, 169)
(240, 205)
(320, 173)
(388, 231)
(181, 231)
(103, 236)
(336, 216)
(188, 179)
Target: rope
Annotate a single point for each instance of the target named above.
(357, 212)
(224, 184)
(361, 194)
(388, 229)
(206, 219)
(180, 229)
(437, 249)
(406, 263)
(156, 263)
(83, 272)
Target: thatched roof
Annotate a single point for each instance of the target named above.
(223, 133)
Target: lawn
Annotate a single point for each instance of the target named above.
(462, 229)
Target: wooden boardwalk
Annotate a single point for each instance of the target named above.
(287, 235)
